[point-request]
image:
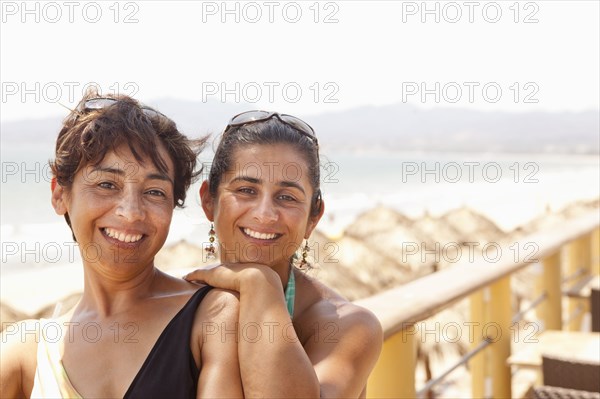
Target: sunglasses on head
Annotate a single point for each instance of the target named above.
(249, 117)
(98, 103)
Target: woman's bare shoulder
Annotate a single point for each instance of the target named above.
(218, 300)
(339, 335)
(18, 353)
(218, 307)
(215, 325)
(21, 336)
(328, 309)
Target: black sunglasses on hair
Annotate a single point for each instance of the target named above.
(260, 116)
(103, 102)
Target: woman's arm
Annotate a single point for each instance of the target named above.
(216, 332)
(344, 349)
(276, 364)
(340, 350)
(18, 346)
(273, 364)
(10, 369)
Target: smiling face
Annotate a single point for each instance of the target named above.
(262, 207)
(120, 210)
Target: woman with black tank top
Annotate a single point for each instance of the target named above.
(119, 171)
(297, 337)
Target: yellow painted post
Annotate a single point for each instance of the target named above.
(498, 330)
(394, 373)
(586, 253)
(575, 253)
(477, 362)
(548, 281)
(586, 263)
(595, 243)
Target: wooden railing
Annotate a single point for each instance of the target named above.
(569, 249)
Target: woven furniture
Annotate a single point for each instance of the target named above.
(548, 392)
(595, 309)
(578, 346)
(565, 373)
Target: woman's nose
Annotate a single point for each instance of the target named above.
(130, 206)
(265, 211)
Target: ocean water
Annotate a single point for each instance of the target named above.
(508, 188)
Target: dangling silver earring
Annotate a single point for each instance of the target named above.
(210, 250)
(303, 262)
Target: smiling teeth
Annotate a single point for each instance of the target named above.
(260, 236)
(122, 236)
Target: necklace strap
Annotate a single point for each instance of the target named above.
(290, 292)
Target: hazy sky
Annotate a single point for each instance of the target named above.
(303, 57)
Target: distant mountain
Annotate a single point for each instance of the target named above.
(405, 127)
(393, 127)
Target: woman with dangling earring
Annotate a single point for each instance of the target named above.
(296, 337)
(120, 169)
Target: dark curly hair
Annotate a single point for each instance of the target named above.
(87, 135)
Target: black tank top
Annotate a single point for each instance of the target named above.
(170, 371)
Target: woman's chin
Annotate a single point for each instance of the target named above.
(261, 260)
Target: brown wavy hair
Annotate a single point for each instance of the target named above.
(87, 135)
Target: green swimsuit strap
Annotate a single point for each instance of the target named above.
(290, 292)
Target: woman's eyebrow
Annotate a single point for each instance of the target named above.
(124, 172)
(159, 176)
(290, 184)
(105, 169)
(246, 179)
(284, 183)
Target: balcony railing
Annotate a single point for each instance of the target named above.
(570, 250)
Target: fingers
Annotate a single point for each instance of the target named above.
(219, 277)
(200, 274)
(196, 275)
